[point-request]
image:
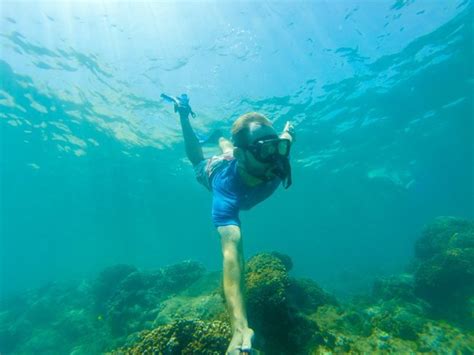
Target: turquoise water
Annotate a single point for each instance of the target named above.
(93, 170)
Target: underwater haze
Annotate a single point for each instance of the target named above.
(93, 168)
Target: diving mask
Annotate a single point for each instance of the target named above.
(270, 150)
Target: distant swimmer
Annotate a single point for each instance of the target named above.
(248, 170)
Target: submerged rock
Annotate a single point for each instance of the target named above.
(107, 282)
(443, 338)
(306, 295)
(128, 298)
(204, 307)
(276, 302)
(442, 234)
(399, 321)
(401, 287)
(444, 275)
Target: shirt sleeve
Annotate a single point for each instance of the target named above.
(225, 209)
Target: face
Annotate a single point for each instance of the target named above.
(250, 163)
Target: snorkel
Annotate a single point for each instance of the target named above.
(283, 171)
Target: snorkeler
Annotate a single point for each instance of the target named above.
(247, 172)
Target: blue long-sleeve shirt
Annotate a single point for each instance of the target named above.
(231, 194)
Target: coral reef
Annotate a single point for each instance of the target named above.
(180, 309)
(276, 304)
(444, 272)
(400, 287)
(51, 319)
(128, 298)
(182, 337)
(377, 330)
(88, 318)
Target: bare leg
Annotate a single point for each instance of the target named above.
(225, 145)
(193, 148)
(232, 250)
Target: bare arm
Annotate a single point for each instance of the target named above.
(226, 146)
(191, 143)
(232, 252)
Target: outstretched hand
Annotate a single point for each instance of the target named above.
(183, 110)
(181, 105)
(289, 131)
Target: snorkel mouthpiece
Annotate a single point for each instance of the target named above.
(283, 171)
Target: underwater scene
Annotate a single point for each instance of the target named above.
(142, 147)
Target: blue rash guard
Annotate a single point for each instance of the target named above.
(231, 194)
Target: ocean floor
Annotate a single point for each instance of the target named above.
(180, 309)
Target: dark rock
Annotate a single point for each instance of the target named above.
(437, 236)
(307, 296)
(132, 299)
(400, 287)
(179, 276)
(402, 324)
(107, 283)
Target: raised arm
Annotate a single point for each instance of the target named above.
(191, 142)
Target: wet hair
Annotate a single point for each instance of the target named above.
(241, 127)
